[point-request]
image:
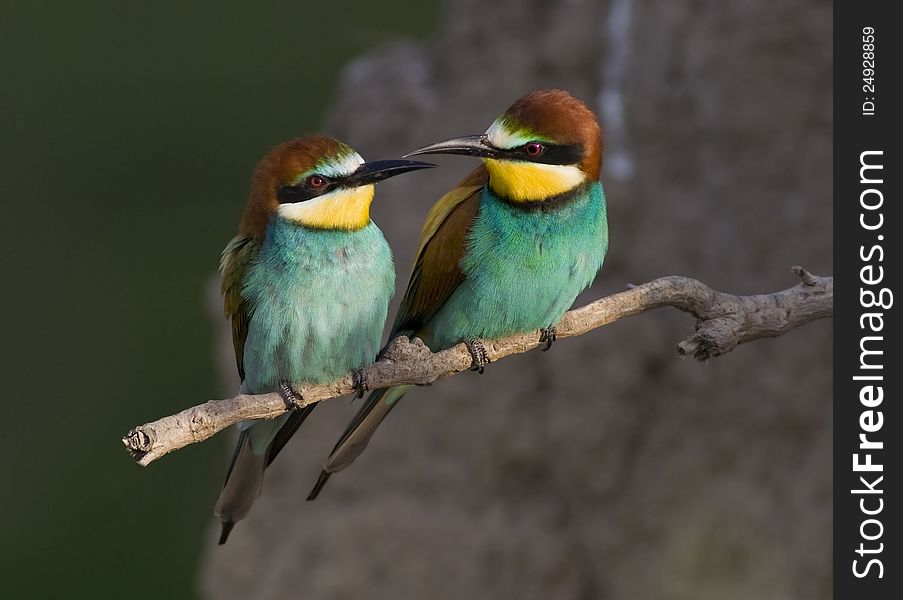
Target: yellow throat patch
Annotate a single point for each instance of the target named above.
(347, 209)
(522, 181)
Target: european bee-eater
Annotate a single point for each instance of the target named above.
(508, 249)
(306, 283)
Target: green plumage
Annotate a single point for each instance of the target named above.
(522, 268)
(319, 301)
(306, 286)
(309, 305)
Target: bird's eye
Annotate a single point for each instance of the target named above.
(534, 149)
(316, 181)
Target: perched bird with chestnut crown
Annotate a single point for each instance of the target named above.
(306, 283)
(508, 249)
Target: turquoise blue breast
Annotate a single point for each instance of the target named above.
(523, 269)
(319, 303)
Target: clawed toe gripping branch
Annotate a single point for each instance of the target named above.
(547, 336)
(293, 400)
(723, 321)
(359, 382)
(479, 358)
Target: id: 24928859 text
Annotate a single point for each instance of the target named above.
(869, 74)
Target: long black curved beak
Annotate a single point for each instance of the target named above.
(378, 170)
(468, 145)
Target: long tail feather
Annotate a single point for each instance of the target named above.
(321, 481)
(286, 432)
(226, 530)
(378, 404)
(243, 484)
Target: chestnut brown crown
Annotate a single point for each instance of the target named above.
(556, 116)
(281, 166)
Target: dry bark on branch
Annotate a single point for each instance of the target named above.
(723, 322)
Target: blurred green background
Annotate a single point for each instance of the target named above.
(129, 134)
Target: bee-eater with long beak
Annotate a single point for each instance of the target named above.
(508, 249)
(306, 283)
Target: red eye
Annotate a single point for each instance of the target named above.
(534, 149)
(316, 181)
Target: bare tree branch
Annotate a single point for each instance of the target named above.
(723, 322)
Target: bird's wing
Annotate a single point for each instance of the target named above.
(238, 255)
(443, 241)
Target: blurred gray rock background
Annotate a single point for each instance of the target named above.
(608, 467)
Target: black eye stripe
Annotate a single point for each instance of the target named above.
(287, 194)
(553, 154)
(560, 154)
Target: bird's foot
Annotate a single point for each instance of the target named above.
(359, 382)
(548, 335)
(293, 400)
(478, 354)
